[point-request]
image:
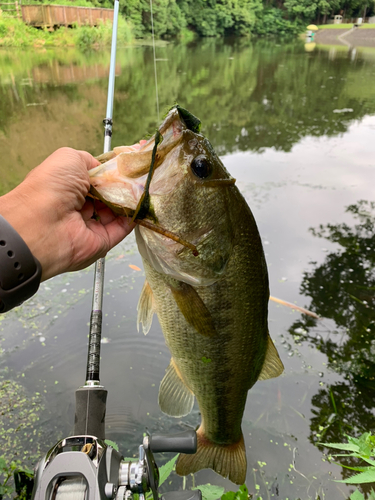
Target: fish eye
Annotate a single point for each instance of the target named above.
(201, 167)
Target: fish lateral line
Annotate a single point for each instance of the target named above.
(168, 234)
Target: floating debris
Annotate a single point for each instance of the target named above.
(136, 268)
(294, 306)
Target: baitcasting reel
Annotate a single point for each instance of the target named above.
(86, 468)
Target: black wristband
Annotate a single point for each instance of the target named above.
(20, 271)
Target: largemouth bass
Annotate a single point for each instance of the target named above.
(208, 285)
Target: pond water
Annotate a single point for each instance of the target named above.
(297, 131)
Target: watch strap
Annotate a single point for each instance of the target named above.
(20, 271)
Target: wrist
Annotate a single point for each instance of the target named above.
(26, 215)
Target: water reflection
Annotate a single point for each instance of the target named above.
(342, 288)
(250, 96)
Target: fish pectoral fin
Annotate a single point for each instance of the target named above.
(146, 308)
(175, 398)
(272, 366)
(193, 308)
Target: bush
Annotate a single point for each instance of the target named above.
(271, 22)
(91, 36)
(3, 29)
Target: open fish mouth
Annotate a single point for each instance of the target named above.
(129, 175)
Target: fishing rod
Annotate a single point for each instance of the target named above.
(84, 466)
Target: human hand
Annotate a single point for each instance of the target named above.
(50, 212)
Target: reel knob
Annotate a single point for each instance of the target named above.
(184, 442)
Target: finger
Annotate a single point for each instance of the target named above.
(105, 215)
(87, 210)
(88, 159)
(118, 229)
(113, 232)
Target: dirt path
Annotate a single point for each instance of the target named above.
(358, 37)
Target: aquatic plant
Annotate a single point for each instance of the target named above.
(362, 448)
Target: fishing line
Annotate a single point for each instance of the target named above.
(155, 72)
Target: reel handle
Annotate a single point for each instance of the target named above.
(183, 442)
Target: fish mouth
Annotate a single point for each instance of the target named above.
(123, 180)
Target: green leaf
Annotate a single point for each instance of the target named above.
(358, 469)
(362, 477)
(210, 491)
(166, 469)
(229, 495)
(112, 443)
(26, 470)
(241, 494)
(342, 446)
(357, 495)
(369, 461)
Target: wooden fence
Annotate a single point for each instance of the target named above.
(48, 16)
(11, 9)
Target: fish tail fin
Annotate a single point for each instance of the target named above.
(227, 460)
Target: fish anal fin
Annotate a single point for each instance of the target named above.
(175, 398)
(146, 308)
(227, 460)
(272, 366)
(194, 309)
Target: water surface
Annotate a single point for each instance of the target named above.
(296, 129)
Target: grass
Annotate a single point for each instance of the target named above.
(14, 33)
(335, 26)
(344, 26)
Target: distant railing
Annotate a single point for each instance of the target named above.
(48, 16)
(12, 9)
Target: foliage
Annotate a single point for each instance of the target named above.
(19, 438)
(362, 448)
(272, 22)
(23, 480)
(101, 35)
(211, 18)
(209, 491)
(241, 494)
(224, 17)
(14, 33)
(166, 17)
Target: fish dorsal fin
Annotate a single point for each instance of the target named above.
(146, 308)
(193, 308)
(272, 366)
(175, 398)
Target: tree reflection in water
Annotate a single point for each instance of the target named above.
(343, 289)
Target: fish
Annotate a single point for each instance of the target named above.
(208, 286)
